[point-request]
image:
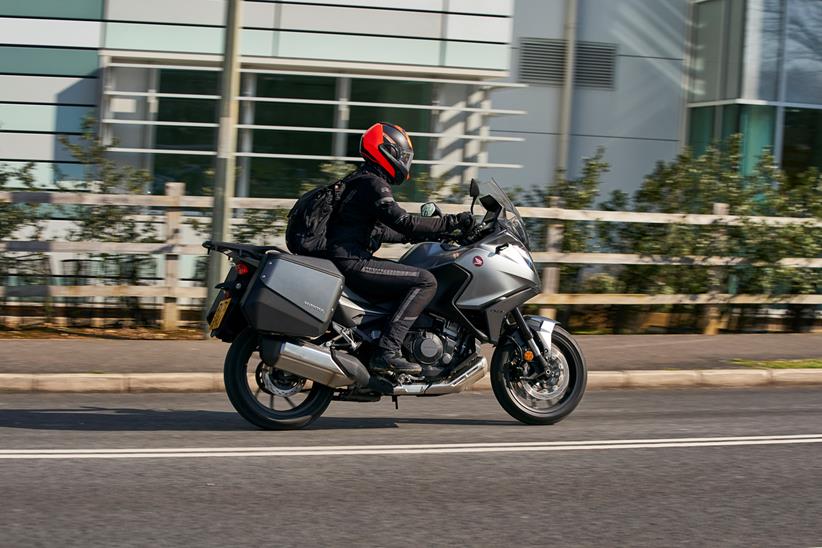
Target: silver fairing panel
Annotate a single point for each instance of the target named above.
(496, 274)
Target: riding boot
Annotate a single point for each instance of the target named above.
(384, 360)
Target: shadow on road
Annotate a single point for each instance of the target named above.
(136, 420)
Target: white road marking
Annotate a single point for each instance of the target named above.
(340, 450)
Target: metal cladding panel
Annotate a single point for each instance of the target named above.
(478, 27)
(32, 146)
(485, 7)
(646, 102)
(47, 61)
(475, 55)
(138, 36)
(46, 173)
(48, 89)
(63, 9)
(430, 5)
(335, 19)
(47, 32)
(377, 49)
(48, 118)
(645, 28)
(191, 12)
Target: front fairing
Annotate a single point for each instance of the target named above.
(510, 218)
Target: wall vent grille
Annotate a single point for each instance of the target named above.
(542, 61)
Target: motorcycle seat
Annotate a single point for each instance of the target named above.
(354, 297)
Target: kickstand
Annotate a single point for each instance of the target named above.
(396, 402)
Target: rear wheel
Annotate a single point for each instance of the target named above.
(544, 398)
(268, 397)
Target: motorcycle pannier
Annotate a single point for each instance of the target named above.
(293, 295)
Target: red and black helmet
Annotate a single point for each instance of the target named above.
(389, 147)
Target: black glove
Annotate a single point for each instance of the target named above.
(463, 221)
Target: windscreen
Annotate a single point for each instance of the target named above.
(510, 213)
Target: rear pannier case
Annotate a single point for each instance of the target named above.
(293, 295)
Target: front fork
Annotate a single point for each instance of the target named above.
(528, 336)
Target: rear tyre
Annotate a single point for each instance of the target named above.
(544, 400)
(245, 383)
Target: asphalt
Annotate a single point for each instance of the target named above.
(659, 494)
(603, 353)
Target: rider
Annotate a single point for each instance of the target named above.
(367, 216)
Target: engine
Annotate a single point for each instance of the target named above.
(436, 344)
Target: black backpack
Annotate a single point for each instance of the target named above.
(308, 220)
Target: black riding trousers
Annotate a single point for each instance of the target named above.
(381, 281)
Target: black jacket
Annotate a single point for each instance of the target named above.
(368, 215)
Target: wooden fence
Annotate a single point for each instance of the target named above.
(174, 202)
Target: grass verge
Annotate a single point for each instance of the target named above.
(809, 363)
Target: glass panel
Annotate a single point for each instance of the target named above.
(303, 87)
(762, 45)
(804, 51)
(707, 54)
(190, 81)
(701, 129)
(293, 114)
(733, 48)
(197, 172)
(280, 178)
(756, 123)
(730, 120)
(802, 145)
(187, 110)
(413, 120)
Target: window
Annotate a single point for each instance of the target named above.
(763, 29)
(270, 177)
(802, 142)
(701, 129)
(803, 54)
(756, 124)
(717, 51)
(195, 170)
(412, 120)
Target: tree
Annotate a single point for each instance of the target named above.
(14, 217)
(103, 175)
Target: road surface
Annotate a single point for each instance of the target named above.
(639, 468)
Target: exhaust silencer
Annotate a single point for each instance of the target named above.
(312, 362)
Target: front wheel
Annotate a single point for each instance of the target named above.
(268, 397)
(539, 398)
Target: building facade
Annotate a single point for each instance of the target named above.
(314, 75)
(480, 84)
(756, 69)
(651, 76)
(628, 95)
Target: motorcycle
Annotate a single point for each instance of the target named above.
(300, 339)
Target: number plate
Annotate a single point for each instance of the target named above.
(219, 314)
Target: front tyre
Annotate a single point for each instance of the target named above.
(545, 398)
(266, 396)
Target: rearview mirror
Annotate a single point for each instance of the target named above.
(430, 209)
(474, 191)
